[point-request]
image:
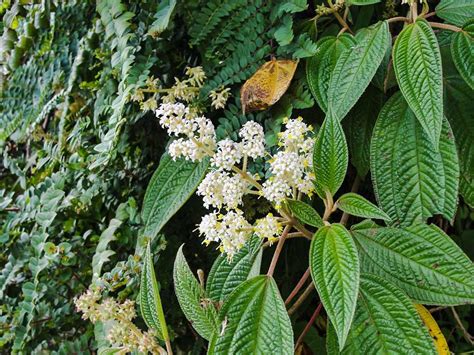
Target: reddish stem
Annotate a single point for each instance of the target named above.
(298, 286)
(308, 326)
(278, 250)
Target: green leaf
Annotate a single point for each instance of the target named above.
(330, 157)
(462, 49)
(457, 12)
(358, 125)
(417, 64)
(305, 213)
(386, 322)
(320, 67)
(357, 205)
(422, 260)
(459, 102)
(356, 67)
(412, 180)
(162, 17)
(169, 188)
(334, 265)
(192, 298)
(254, 321)
(284, 33)
(150, 301)
(226, 275)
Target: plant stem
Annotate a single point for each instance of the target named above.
(429, 14)
(309, 324)
(329, 203)
(469, 338)
(278, 249)
(445, 26)
(301, 299)
(338, 17)
(298, 286)
(398, 19)
(355, 187)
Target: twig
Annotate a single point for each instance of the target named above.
(429, 14)
(445, 26)
(469, 338)
(278, 249)
(301, 299)
(338, 17)
(298, 286)
(308, 325)
(436, 309)
(11, 209)
(398, 19)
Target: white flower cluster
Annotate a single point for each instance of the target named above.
(291, 167)
(197, 136)
(224, 187)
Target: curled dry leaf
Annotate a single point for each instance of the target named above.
(267, 85)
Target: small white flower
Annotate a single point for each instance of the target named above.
(234, 189)
(209, 227)
(293, 137)
(196, 76)
(276, 190)
(253, 139)
(268, 228)
(228, 154)
(211, 189)
(219, 98)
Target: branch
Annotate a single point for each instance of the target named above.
(298, 286)
(301, 299)
(469, 338)
(308, 325)
(445, 26)
(278, 249)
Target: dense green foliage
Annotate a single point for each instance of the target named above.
(90, 199)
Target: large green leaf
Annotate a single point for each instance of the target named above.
(305, 213)
(334, 265)
(386, 322)
(320, 66)
(358, 125)
(420, 259)
(412, 179)
(254, 321)
(192, 298)
(150, 301)
(330, 157)
(457, 12)
(356, 67)
(417, 64)
(169, 188)
(462, 49)
(459, 102)
(226, 275)
(357, 205)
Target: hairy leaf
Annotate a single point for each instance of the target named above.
(330, 157)
(334, 265)
(226, 275)
(386, 322)
(355, 69)
(417, 64)
(320, 66)
(305, 213)
(412, 179)
(192, 298)
(462, 49)
(420, 259)
(150, 300)
(254, 321)
(457, 12)
(169, 188)
(357, 205)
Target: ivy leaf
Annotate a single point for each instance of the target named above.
(462, 49)
(192, 298)
(412, 179)
(422, 260)
(417, 64)
(320, 66)
(386, 322)
(357, 205)
(334, 265)
(359, 125)
(150, 301)
(169, 188)
(330, 157)
(457, 12)
(356, 67)
(226, 275)
(305, 213)
(459, 101)
(254, 321)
